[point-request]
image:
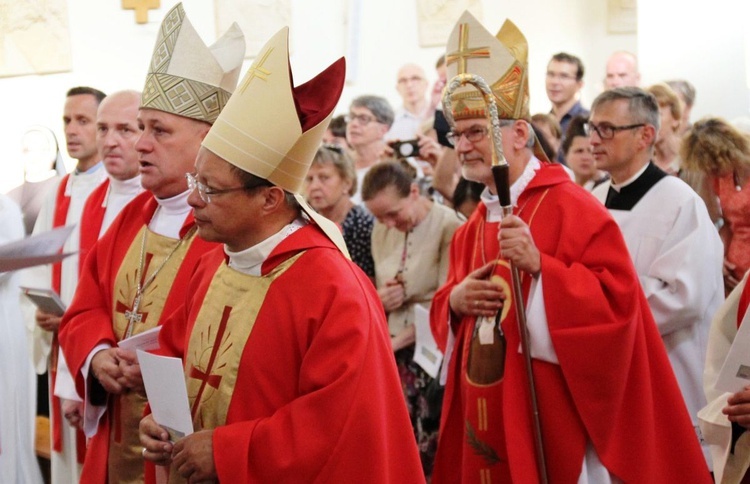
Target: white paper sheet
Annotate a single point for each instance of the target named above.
(735, 374)
(146, 341)
(426, 353)
(36, 250)
(164, 380)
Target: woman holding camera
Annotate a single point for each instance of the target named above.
(410, 243)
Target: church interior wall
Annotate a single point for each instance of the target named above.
(111, 52)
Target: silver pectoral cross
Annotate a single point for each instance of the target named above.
(133, 316)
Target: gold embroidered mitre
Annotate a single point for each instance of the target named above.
(188, 78)
(501, 61)
(271, 129)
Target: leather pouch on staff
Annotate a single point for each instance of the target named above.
(486, 362)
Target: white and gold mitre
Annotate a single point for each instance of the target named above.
(502, 61)
(271, 129)
(188, 78)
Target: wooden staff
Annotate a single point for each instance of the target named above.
(502, 185)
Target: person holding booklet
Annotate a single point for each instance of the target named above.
(138, 270)
(286, 383)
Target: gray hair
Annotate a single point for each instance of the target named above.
(532, 135)
(685, 89)
(642, 105)
(378, 106)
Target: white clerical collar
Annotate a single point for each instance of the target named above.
(618, 186)
(175, 205)
(91, 170)
(494, 210)
(170, 215)
(250, 260)
(124, 186)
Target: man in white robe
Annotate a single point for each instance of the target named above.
(63, 206)
(676, 250)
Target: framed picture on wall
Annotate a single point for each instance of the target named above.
(622, 16)
(436, 18)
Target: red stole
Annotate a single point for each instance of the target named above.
(92, 218)
(62, 204)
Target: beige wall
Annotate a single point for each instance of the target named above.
(111, 52)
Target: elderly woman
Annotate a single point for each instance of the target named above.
(577, 150)
(410, 242)
(329, 184)
(717, 149)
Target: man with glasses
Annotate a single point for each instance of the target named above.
(138, 271)
(608, 404)
(674, 245)
(288, 364)
(369, 119)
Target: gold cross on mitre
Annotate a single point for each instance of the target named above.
(464, 52)
(257, 70)
(141, 8)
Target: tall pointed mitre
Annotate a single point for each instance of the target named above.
(502, 61)
(188, 78)
(272, 129)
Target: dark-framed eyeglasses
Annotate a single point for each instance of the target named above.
(206, 192)
(606, 130)
(362, 119)
(473, 135)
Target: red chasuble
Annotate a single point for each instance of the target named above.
(613, 387)
(88, 321)
(294, 370)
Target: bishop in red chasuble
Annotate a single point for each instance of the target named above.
(288, 362)
(609, 406)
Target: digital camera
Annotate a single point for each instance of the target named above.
(405, 149)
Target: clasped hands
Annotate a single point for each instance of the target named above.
(192, 457)
(117, 370)
(477, 295)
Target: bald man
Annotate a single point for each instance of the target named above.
(622, 71)
(411, 85)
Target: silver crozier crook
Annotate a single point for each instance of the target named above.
(502, 184)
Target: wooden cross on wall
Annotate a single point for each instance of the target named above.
(141, 8)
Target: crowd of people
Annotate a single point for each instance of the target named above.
(422, 294)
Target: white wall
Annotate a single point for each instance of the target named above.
(111, 52)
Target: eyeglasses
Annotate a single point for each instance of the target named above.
(362, 119)
(473, 135)
(206, 192)
(607, 131)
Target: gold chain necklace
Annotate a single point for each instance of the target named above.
(133, 316)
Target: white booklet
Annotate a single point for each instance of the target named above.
(426, 352)
(164, 380)
(46, 300)
(735, 374)
(146, 341)
(36, 250)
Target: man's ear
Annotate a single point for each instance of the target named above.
(648, 135)
(522, 131)
(274, 198)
